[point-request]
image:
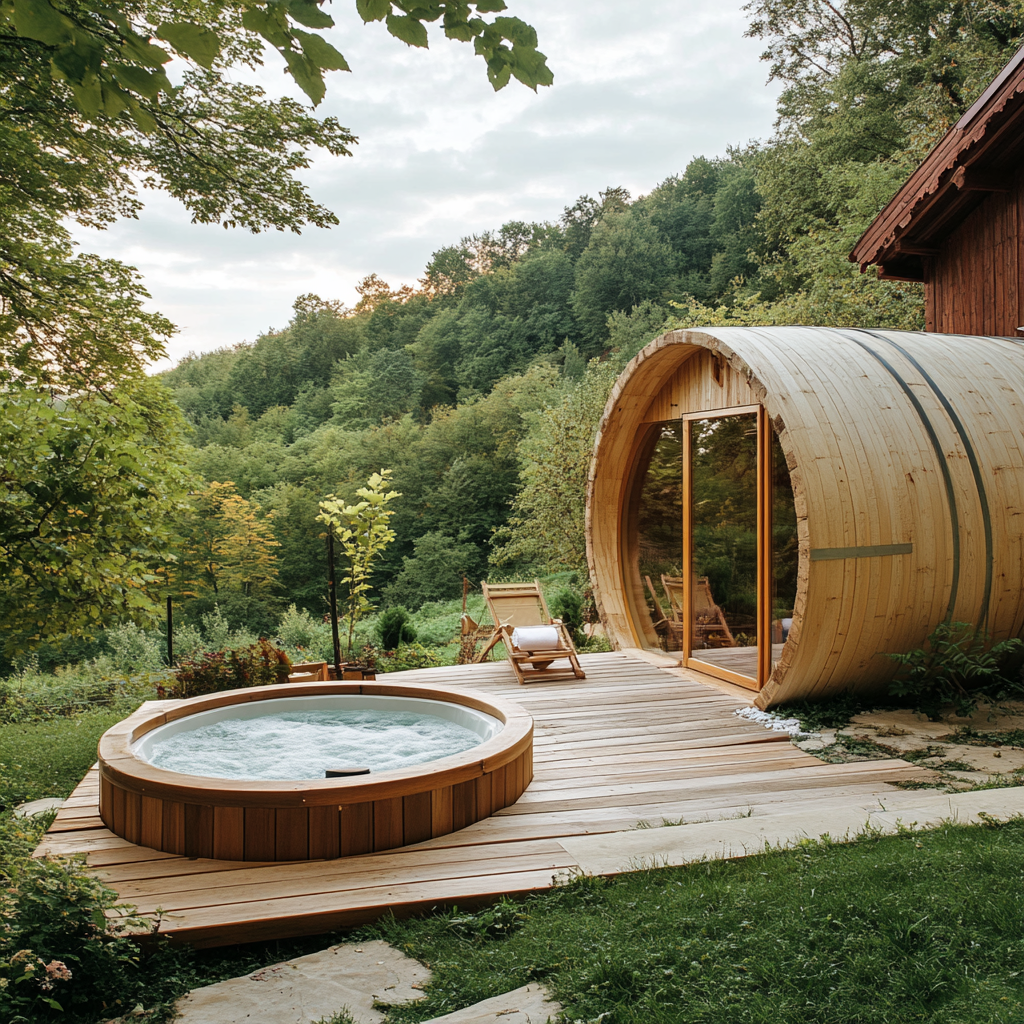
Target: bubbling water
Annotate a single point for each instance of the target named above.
(295, 745)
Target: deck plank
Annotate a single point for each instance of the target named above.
(630, 745)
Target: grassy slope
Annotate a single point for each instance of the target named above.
(44, 759)
(920, 927)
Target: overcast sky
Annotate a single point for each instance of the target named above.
(441, 155)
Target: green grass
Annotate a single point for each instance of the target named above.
(918, 927)
(48, 759)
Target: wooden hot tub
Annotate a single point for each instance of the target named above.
(229, 819)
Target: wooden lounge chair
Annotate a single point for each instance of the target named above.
(670, 625)
(710, 628)
(520, 605)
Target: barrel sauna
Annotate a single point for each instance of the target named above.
(889, 463)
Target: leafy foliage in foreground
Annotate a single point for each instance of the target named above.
(58, 950)
(959, 664)
(923, 927)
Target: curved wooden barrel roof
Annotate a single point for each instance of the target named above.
(906, 454)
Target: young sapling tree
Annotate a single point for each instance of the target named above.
(362, 531)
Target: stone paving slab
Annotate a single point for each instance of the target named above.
(530, 1004)
(359, 978)
(38, 807)
(672, 846)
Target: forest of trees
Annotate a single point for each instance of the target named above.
(481, 389)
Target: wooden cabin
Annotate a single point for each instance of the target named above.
(957, 225)
(780, 506)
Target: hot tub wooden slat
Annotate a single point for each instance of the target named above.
(173, 832)
(133, 817)
(484, 796)
(416, 818)
(441, 819)
(198, 836)
(260, 833)
(387, 823)
(356, 829)
(152, 829)
(292, 829)
(229, 833)
(324, 832)
(463, 804)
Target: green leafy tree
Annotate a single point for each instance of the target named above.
(91, 486)
(546, 528)
(87, 111)
(434, 571)
(627, 261)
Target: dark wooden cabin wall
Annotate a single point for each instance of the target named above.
(975, 286)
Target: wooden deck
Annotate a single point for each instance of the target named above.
(630, 744)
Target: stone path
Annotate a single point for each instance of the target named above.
(530, 1004)
(739, 837)
(38, 807)
(362, 979)
(963, 751)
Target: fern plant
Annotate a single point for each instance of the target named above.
(959, 664)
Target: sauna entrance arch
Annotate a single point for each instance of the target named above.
(716, 543)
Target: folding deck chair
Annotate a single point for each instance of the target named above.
(520, 606)
(710, 628)
(670, 625)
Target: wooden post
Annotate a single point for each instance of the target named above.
(170, 633)
(332, 593)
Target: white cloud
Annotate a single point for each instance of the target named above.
(638, 92)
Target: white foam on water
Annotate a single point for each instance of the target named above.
(303, 744)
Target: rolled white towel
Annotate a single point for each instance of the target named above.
(536, 638)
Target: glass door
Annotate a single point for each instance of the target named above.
(715, 543)
(723, 512)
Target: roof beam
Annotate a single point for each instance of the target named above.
(968, 179)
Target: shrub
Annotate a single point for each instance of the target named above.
(960, 664)
(394, 628)
(260, 664)
(406, 658)
(134, 649)
(59, 949)
(37, 697)
(298, 629)
(220, 636)
(567, 605)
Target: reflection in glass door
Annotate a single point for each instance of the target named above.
(660, 532)
(723, 481)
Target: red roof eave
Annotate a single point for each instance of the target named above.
(932, 181)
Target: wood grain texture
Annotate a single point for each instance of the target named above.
(894, 440)
(631, 743)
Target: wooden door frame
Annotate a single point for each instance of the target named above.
(764, 546)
